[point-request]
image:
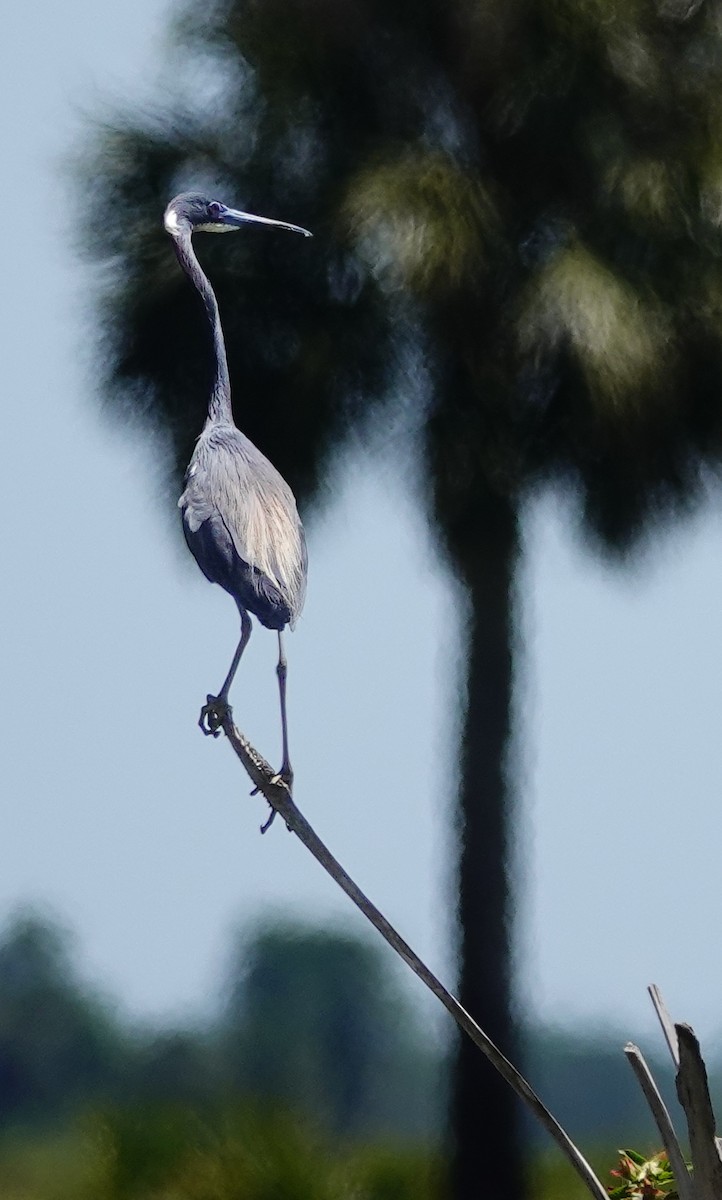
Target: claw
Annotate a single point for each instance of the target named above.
(213, 714)
(285, 776)
(269, 821)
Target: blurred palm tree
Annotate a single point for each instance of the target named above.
(517, 207)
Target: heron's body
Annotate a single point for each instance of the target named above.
(239, 515)
(241, 524)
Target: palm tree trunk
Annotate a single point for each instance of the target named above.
(485, 1116)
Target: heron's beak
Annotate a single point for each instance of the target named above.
(231, 216)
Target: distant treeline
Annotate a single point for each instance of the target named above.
(312, 1020)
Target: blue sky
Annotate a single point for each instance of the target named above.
(121, 818)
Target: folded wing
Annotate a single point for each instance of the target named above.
(242, 526)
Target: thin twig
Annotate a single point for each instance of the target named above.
(662, 1119)
(279, 797)
(670, 1033)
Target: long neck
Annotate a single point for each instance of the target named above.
(219, 405)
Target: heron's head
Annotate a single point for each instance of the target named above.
(192, 212)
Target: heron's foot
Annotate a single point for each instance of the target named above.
(213, 714)
(285, 776)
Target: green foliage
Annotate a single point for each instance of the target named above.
(57, 1044)
(313, 1024)
(173, 1153)
(394, 1172)
(643, 1178)
(316, 1021)
(45, 1164)
(549, 1177)
(163, 1152)
(315, 1069)
(249, 1153)
(622, 342)
(421, 224)
(173, 1066)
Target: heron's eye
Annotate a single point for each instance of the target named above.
(215, 209)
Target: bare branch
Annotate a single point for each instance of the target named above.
(666, 1022)
(662, 1119)
(279, 797)
(693, 1093)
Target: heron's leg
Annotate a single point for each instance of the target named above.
(286, 771)
(245, 635)
(216, 707)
